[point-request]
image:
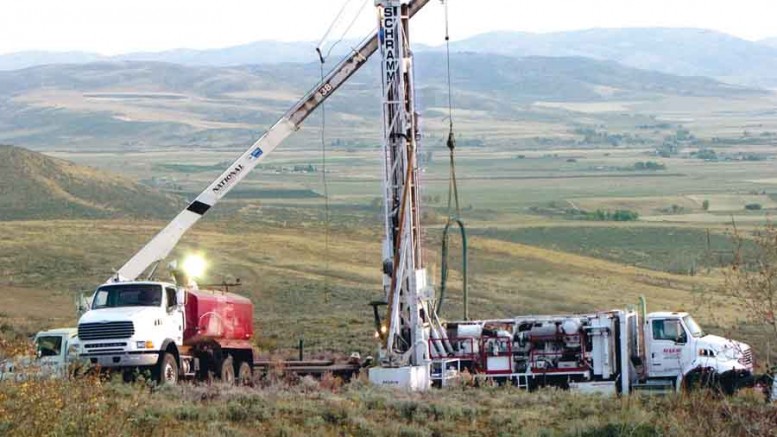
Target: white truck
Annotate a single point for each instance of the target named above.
(169, 330)
(56, 357)
(617, 351)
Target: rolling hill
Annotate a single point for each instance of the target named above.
(35, 186)
(140, 104)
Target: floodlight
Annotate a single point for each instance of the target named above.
(194, 266)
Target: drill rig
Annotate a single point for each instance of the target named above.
(410, 325)
(411, 320)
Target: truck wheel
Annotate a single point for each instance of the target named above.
(227, 371)
(167, 372)
(128, 376)
(701, 379)
(244, 376)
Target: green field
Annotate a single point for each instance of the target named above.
(664, 248)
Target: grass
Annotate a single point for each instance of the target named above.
(671, 249)
(303, 288)
(305, 407)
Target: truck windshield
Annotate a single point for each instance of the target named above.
(49, 346)
(128, 295)
(693, 327)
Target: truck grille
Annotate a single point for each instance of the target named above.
(747, 358)
(104, 345)
(105, 331)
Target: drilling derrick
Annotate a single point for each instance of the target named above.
(410, 320)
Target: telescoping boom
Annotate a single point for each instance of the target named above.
(165, 241)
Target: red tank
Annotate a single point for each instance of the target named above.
(216, 315)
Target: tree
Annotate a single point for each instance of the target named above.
(752, 277)
(705, 205)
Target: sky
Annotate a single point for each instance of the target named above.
(117, 26)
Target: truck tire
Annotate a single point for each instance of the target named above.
(167, 370)
(227, 372)
(244, 376)
(701, 379)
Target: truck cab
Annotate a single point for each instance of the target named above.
(676, 347)
(129, 324)
(56, 351)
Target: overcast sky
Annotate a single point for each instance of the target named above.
(119, 26)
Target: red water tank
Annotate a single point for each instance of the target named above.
(216, 315)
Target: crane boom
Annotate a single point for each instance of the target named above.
(163, 243)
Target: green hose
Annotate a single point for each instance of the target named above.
(444, 265)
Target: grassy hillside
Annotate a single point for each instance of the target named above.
(35, 186)
(304, 288)
(137, 105)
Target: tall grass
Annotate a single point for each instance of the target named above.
(288, 407)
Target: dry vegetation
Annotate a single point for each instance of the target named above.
(94, 407)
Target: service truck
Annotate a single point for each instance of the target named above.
(168, 330)
(608, 351)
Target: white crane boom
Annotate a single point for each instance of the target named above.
(163, 243)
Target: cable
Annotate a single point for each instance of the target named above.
(326, 191)
(322, 59)
(347, 30)
(448, 56)
(334, 23)
(453, 195)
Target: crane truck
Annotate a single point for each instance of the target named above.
(178, 330)
(175, 329)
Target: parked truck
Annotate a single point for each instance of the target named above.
(617, 351)
(168, 330)
(56, 357)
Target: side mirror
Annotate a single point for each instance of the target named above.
(180, 297)
(82, 305)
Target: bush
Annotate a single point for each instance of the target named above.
(601, 215)
(753, 207)
(649, 165)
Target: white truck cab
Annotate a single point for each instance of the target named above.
(130, 323)
(56, 351)
(676, 347)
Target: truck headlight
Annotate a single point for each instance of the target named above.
(148, 344)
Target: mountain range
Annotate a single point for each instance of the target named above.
(687, 52)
